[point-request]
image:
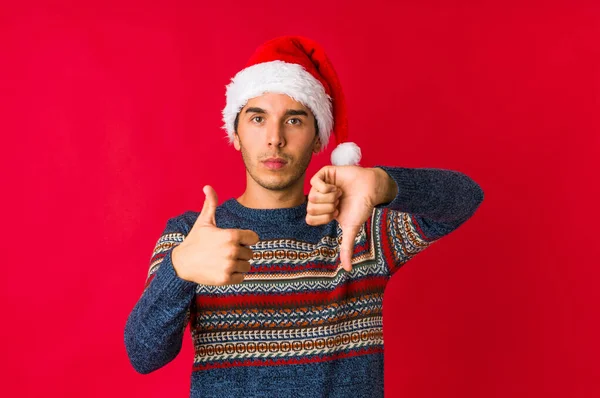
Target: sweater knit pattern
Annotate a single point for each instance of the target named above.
(299, 325)
(297, 304)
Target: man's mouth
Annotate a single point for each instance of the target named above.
(274, 163)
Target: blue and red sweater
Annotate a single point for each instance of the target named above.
(299, 325)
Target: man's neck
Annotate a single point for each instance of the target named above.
(257, 197)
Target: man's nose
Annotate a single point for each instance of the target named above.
(275, 135)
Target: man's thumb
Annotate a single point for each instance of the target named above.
(347, 248)
(207, 215)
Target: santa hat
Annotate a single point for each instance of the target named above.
(298, 67)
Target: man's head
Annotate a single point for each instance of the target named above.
(295, 67)
(277, 137)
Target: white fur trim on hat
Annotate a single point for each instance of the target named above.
(281, 78)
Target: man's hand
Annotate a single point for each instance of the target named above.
(347, 194)
(210, 255)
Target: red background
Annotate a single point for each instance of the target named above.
(110, 122)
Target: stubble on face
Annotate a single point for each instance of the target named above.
(294, 170)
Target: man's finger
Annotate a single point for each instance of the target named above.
(241, 267)
(236, 278)
(322, 219)
(323, 181)
(246, 237)
(244, 253)
(317, 209)
(315, 196)
(211, 201)
(349, 234)
(330, 175)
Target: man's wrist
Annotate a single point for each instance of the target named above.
(176, 262)
(386, 190)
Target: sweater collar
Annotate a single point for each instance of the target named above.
(266, 215)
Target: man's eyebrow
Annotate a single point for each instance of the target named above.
(255, 110)
(289, 112)
(296, 112)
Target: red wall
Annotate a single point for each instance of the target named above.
(110, 124)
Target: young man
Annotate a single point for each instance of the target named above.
(283, 291)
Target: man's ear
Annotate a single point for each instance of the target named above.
(236, 141)
(317, 144)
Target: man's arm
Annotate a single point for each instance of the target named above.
(155, 327)
(417, 206)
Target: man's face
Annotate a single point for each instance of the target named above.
(277, 138)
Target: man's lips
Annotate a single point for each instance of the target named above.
(274, 163)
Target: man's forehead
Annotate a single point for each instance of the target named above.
(274, 102)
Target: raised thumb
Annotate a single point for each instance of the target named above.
(207, 215)
(349, 234)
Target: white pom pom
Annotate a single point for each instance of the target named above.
(346, 154)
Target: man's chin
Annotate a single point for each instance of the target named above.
(275, 186)
(275, 183)
(276, 180)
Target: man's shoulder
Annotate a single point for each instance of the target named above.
(187, 218)
(184, 221)
(181, 223)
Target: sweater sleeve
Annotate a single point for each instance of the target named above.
(155, 327)
(430, 204)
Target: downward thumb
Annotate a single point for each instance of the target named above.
(210, 206)
(347, 247)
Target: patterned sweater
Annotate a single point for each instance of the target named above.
(299, 325)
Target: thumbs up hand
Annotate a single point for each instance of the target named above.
(347, 194)
(210, 255)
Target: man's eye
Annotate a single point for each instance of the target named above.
(294, 121)
(257, 119)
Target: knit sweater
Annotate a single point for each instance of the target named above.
(299, 325)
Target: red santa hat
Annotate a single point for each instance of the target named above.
(298, 67)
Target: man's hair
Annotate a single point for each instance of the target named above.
(237, 119)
